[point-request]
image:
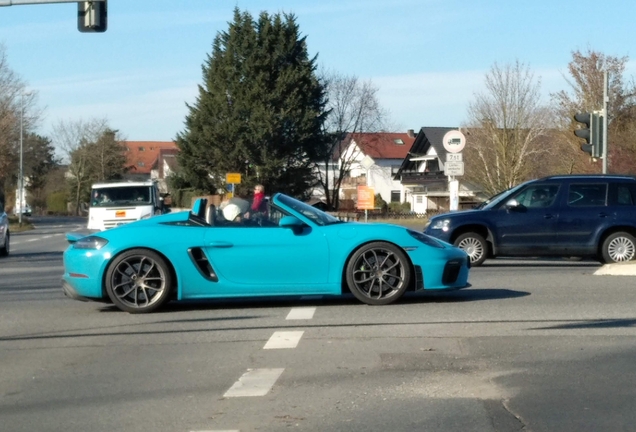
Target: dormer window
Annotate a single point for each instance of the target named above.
(140, 164)
(398, 141)
(141, 149)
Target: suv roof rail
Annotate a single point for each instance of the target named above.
(589, 176)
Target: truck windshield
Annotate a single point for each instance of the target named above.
(129, 195)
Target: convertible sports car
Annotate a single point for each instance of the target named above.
(292, 249)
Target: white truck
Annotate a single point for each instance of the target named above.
(118, 203)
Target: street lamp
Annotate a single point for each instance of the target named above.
(21, 189)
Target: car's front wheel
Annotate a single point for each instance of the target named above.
(619, 247)
(4, 250)
(475, 246)
(378, 273)
(139, 281)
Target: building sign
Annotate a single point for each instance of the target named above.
(366, 198)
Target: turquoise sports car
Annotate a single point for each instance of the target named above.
(291, 249)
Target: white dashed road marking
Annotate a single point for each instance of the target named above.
(254, 382)
(301, 313)
(284, 339)
(225, 430)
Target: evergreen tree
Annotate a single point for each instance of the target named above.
(260, 109)
(39, 160)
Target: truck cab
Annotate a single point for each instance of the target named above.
(118, 203)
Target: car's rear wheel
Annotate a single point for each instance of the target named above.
(475, 246)
(378, 273)
(139, 281)
(619, 247)
(5, 249)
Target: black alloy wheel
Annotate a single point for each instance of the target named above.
(378, 273)
(139, 281)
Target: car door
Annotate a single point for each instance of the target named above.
(529, 226)
(584, 213)
(257, 259)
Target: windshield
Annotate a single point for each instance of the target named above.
(316, 216)
(497, 198)
(117, 196)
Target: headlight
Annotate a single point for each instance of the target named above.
(442, 224)
(427, 240)
(90, 242)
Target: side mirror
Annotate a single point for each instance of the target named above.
(515, 206)
(512, 203)
(292, 222)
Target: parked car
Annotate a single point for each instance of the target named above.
(5, 236)
(291, 249)
(570, 216)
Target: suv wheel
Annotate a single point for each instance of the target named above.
(619, 247)
(475, 246)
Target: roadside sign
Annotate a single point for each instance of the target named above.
(454, 157)
(233, 178)
(454, 141)
(367, 162)
(454, 168)
(366, 198)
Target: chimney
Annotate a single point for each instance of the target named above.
(411, 133)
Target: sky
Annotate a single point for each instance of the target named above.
(428, 58)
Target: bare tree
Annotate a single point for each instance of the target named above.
(586, 84)
(13, 98)
(353, 107)
(93, 151)
(505, 126)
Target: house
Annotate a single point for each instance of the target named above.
(422, 179)
(372, 159)
(151, 160)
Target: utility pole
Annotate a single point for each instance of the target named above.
(605, 119)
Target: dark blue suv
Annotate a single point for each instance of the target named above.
(567, 216)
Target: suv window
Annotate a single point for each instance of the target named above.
(622, 194)
(537, 196)
(587, 195)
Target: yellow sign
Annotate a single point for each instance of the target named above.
(233, 178)
(366, 198)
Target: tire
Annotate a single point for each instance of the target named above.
(378, 273)
(139, 281)
(6, 248)
(475, 246)
(619, 247)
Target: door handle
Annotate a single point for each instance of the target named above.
(547, 216)
(220, 244)
(603, 215)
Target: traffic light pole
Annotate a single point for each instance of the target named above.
(605, 101)
(33, 2)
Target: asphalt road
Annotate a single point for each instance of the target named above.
(532, 346)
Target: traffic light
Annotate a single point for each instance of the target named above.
(92, 16)
(592, 133)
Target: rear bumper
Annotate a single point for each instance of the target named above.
(70, 292)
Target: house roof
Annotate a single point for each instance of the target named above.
(142, 155)
(427, 137)
(383, 145)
